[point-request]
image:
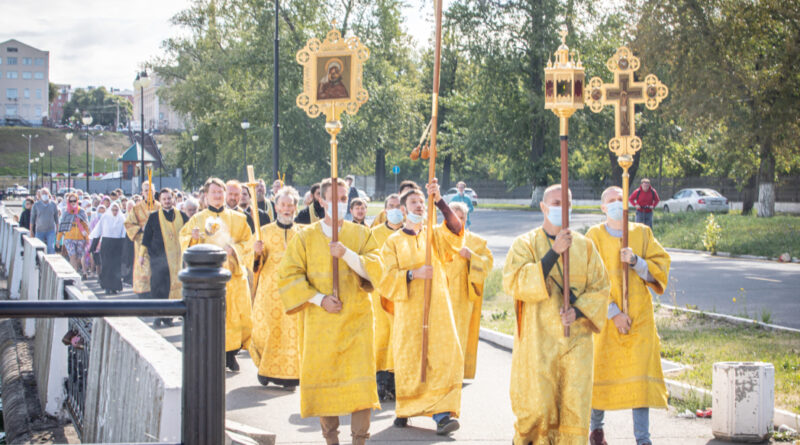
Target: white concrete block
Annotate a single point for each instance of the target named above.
(15, 269)
(232, 438)
(30, 279)
(743, 395)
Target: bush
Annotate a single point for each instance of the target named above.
(712, 234)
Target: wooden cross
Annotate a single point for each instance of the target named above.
(624, 94)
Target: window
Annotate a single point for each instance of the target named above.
(11, 74)
(26, 74)
(27, 61)
(11, 110)
(11, 93)
(11, 49)
(38, 75)
(26, 93)
(38, 93)
(37, 111)
(11, 60)
(39, 61)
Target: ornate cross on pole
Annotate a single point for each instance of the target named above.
(563, 94)
(624, 94)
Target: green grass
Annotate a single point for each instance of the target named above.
(697, 341)
(748, 235)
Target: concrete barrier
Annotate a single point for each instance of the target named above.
(16, 264)
(8, 233)
(33, 248)
(133, 388)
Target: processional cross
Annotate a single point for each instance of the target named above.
(624, 94)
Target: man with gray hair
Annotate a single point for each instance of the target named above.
(190, 206)
(44, 220)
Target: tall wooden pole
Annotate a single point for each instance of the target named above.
(625, 161)
(563, 115)
(431, 174)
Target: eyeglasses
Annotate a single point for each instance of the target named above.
(72, 202)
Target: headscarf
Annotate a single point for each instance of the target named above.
(110, 226)
(96, 215)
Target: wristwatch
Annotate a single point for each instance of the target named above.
(409, 276)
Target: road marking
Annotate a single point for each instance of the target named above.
(762, 279)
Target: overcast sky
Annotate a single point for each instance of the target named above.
(104, 42)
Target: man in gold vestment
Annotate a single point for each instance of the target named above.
(227, 229)
(337, 367)
(627, 360)
(404, 285)
(466, 275)
(551, 378)
(135, 221)
(275, 345)
(381, 306)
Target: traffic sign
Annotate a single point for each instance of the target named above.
(396, 169)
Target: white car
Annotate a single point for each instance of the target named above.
(467, 191)
(696, 200)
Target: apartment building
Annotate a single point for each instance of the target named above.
(158, 114)
(24, 80)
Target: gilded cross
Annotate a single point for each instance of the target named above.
(624, 94)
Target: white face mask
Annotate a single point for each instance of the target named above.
(46, 198)
(342, 210)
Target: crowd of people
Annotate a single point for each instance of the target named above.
(352, 345)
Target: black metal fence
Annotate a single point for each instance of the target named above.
(203, 309)
(78, 340)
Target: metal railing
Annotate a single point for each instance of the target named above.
(203, 309)
(79, 340)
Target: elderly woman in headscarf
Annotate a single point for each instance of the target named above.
(94, 242)
(111, 232)
(74, 231)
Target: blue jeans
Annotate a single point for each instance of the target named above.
(645, 218)
(49, 239)
(439, 416)
(641, 423)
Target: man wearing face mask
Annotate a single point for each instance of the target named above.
(381, 307)
(337, 371)
(627, 366)
(551, 386)
(43, 220)
(404, 285)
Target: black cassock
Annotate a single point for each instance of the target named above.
(153, 240)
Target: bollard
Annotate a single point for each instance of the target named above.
(204, 282)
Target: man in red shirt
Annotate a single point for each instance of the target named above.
(645, 198)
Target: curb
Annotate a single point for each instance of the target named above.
(732, 319)
(730, 255)
(674, 388)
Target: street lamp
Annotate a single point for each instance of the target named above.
(50, 149)
(194, 159)
(245, 126)
(30, 177)
(41, 168)
(29, 137)
(69, 159)
(142, 81)
(87, 120)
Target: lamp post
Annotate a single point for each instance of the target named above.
(275, 127)
(87, 120)
(245, 126)
(41, 168)
(69, 159)
(29, 137)
(50, 149)
(142, 81)
(30, 176)
(194, 160)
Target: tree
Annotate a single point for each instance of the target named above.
(52, 92)
(101, 104)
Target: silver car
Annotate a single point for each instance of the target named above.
(696, 200)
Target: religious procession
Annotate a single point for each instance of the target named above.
(587, 314)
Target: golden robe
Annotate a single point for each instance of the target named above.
(337, 363)
(551, 379)
(466, 278)
(232, 231)
(275, 345)
(379, 220)
(383, 319)
(627, 368)
(135, 221)
(441, 391)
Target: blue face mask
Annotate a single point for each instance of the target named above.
(614, 210)
(394, 216)
(554, 215)
(415, 219)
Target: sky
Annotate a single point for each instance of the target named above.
(105, 42)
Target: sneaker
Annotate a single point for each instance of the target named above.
(597, 437)
(401, 422)
(230, 361)
(167, 322)
(447, 425)
(157, 323)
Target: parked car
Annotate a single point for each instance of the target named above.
(64, 190)
(17, 190)
(696, 200)
(467, 191)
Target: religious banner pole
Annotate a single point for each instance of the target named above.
(563, 83)
(332, 83)
(150, 188)
(624, 94)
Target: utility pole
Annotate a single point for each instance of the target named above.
(29, 137)
(275, 128)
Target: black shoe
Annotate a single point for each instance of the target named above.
(167, 322)
(157, 323)
(401, 422)
(263, 380)
(230, 361)
(447, 426)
